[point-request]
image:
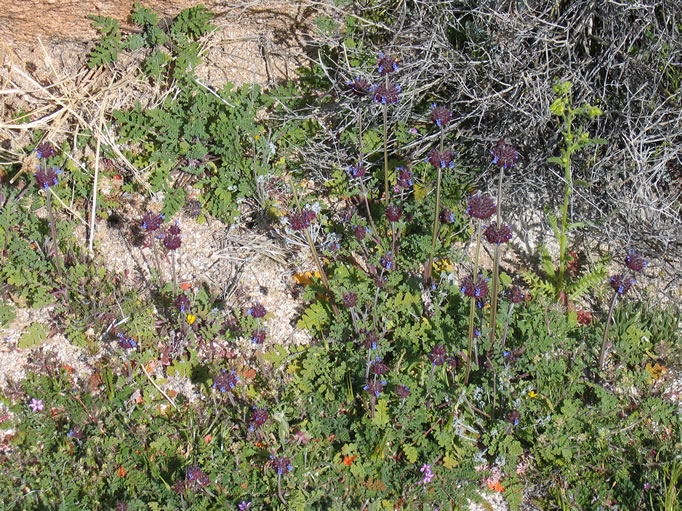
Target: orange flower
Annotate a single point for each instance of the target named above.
(121, 471)
(207, 438)
(495, 485)
(348, 460)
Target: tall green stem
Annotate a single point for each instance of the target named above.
(53, 233)
(472, 307)
(567, 195)
(436, 216)
(386, 196)
(496, 264)
(604, 341)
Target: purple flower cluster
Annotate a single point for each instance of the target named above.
(152, 221)
(127, 343)
(387, 94)
(196, 478)
(403, 391)
(621, 284)
(393, 213)
(45, 150)
(257, 311)
(173, 238)
(635, 261)
(446, 216)
(428, 475)
(182, 302)
(357, 171)
(258, 336)
(516, 295)
(301, 221)
(498, 235)
(226, 380)
(371, 340)
(375, 387)
(504, 154)
(481, 206)
(350, 299)
(386, 64)
(438, 355)
(258, 418)
(405, 177)
(359, 87)
(48, 177)
(443, 159)
(360, 232)
(474, 288)
(378, 366)
(387, 261)
(440, 115)
(281, 465)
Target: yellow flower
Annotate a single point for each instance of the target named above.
(191, 318)
(532, 393)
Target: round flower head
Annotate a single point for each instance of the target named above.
(504, 154)
(350, 299)
(174, 230)
(44, 150)
(172, 242)
(226, 380)
(257, 311)
(405, 177)
(621, 284)
(359, 87)
(440, 115)
(300, 221)
(480, 206)
(258, 336)
(446, 216)
(474, 289)
(127, 343)
(387, 261)
(393, 213)
(196, 477)
(374, 387)
(403, 391)
(498, 235)
(386, 64)
(443, 159)
(357, 171)
(47, 178)
(152, 221)
(281, 465)
(386, 94)
(360, 232)
(378, 367)
(182, 302)
(258, 418)
(634, 261)
(371, 341)
(515, 295)
(514, 417)
(438, 355)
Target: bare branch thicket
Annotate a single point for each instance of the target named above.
(494, 63)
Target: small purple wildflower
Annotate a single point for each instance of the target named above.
(360, 232)
(182, 302)
(45, 150)
(635, 262)
(393, 213)
(196, 477)
(386, 94)
(405, 177)
(514, 417)
(152, 221)
(386, 64)
(440, 115)
(174, 230)
(75, 432)
(350, 299)
(244, 506)
(403, 391)
(281, 465)
(516, 295)
(258, 418)
(359, 87)
(504, 154)
(446, 216)
(172, 242)
(474, 289)
(498, 235)
(428, 475)
(438, 355)
(375, 387)
(387, 261)
(621, 284)
(357, 171)
(300, 221)
(226, 380)
(443, 159)
(257, 311)
(258, 336)
(127, 343)
(47, 178)
(371, 340)
(378, 366)
(480, 206)
(36, 405)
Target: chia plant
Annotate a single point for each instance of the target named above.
(46, 177)
(386, 93)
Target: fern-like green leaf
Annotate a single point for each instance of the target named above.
(594, 278)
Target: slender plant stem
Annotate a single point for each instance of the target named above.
(568, 188)
(604, 341)
(53, 233)
(436, 216)
(385, 112)
(496, 265)
(472, 306)
(175, 279)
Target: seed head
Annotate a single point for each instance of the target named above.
(350, 299)
(634, 261)
(504, 154)
(174, 230)
(621, 284)
(386, 64)
(440, 115)
(300, 221)
(386, 94)
(498, 235)
(443, 159)
(360, 232)
(480, 206)
(359, 87)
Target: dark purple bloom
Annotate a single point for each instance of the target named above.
(76, 433)
(357, 171)
(403, 391)
(504, 154)
(405, 177)
(514, 417)
(258, 418)
(257, 311)
(360, 232)
(634, 261)
(386, 94)
(443, 159)
(152, 221)
(440, 115)
(387, 261)
(172, 242)
(438, 355)
(281, 465)
(375, 387)
(378, 366)
(480, 206)
(182, 302)
(371, 340)
(300, 221)
(45, 150)
(515, 295)
(350, 299)
(127, 343)
(174, 230)
(258, 336)
(446, 216)
(386, 64)
(47, 178)
(121, 506)
(196, 478)
(474, 289)
(621, 284)
(454, 361)
(226, 380)
(498, 235)
(359, 87)
(245, 506)
(393, 213)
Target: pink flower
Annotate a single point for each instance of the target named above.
(36, 405)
